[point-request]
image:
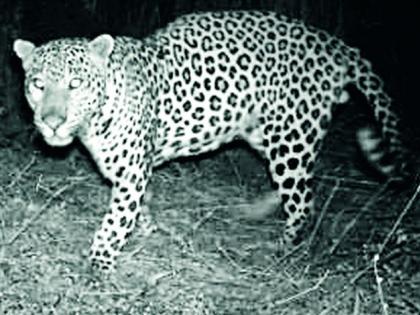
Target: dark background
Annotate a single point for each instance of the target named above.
(385, 31)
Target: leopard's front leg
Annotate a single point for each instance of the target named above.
(127, 208)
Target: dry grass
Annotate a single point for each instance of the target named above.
(205, 258)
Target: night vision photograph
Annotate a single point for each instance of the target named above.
(194, 157)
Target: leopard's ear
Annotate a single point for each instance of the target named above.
(23, 48)
(101, 47)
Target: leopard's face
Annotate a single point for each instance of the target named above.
(63, 86)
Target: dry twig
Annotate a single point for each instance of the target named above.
(315, 287)
(379, 281)
(399, 219)
(57, 193)
(351, 224)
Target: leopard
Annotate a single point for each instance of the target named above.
(203, 80)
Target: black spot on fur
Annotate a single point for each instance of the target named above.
(280, 168)
(132, 206)
(283, 150)
(292, 163)
(289, 183)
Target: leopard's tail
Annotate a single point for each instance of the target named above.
(381, 144)
(375, 151)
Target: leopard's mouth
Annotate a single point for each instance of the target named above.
(59, 136)
(57, 141)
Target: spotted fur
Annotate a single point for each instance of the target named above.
(204, 80)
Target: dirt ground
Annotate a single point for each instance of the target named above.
(207, 258)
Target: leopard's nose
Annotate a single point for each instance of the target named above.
(53, 121)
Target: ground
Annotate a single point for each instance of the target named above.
(206, 258)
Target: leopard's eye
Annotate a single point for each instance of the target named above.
(36, 88)
(38, 83)
(75, 83)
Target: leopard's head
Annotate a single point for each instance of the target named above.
(64, 83)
